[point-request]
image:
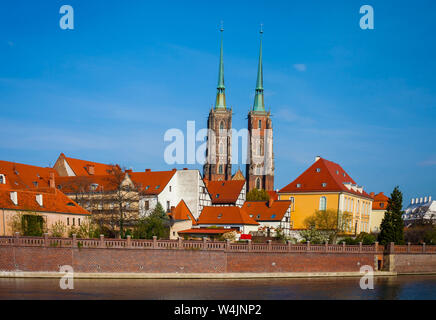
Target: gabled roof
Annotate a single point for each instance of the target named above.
(380, 202)
(206, 231)
(52, 201)
(266, 210)
(182, 212)
(79, 184)
(231, 215)
(238, 175)
(225, 191)
(323, 172)
(82, 167)
(151, 182)
(23, 176)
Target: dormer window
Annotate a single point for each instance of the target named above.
(382, 205)
(157, 187)
(337, 171)
(217, 195)
(220, 216)
(258, 216)
(147, 187)
(318, 169)
(273, 216)
(35, 184)
(344, 174)
(94, 186)
(2, 179)
(324, 184)
(298, 185)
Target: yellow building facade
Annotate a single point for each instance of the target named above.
(326, 186)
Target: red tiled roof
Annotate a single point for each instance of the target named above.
(380, 202)
(273, 195)
(52, 201)
(81, 167)
(78, 184)
(152, 182)
(225, 216)
(206, 231)
(23, 176)
(182, 212)
(330, 173)
(225, 191)
(266, 211)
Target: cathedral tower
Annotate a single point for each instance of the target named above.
(218, 165)
(260, 169)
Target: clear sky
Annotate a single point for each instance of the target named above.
(130, 70)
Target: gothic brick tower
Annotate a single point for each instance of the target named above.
(260, 167)
(218, 165)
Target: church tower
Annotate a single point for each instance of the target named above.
(218, 165)
(260, 167)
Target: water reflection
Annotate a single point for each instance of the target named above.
(402, 287)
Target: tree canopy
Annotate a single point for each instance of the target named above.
(392, 226)
(257, 195)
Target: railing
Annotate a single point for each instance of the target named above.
(204, 244)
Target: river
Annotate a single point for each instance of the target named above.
(392, 288)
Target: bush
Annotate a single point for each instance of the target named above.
(58, 229)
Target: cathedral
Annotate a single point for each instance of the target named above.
(259, 172)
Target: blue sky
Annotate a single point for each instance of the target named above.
(109, 89)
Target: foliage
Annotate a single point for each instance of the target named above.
(257, 195)
(32, 225)
(314, 235)
(365, 238)
(88, 230)
(418, 234)
(231, 236)
(392, 226)
(156, 224)
(58, 229)
(325, 223)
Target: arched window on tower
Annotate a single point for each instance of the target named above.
(322, 203)
(260, 124)
(220, 169)
(221, 125)
(258, 185)
(221, 148)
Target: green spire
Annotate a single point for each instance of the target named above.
(221, 95)
(258, 98)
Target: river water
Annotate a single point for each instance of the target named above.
(393, 288)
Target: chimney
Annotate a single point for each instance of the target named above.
(372, 194)
(39, 199)
(52, 182)
(317, 158)
(128, 170)
(270, 202)
(174, 169)
(147, 170)
(185, 168)
(91, 169)
(14, 197)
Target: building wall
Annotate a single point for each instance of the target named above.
(306, 204)
(179, 226)
(376, 220)
(6, 217)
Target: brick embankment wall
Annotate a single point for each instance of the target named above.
(101, 260)
(413, 263)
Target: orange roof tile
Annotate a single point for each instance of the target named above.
(182, 212)
(231, 215)
(380, 202)
(52, 201)
(152, 182)
(23, 176)
(273, 195)
(79, 184)
(266, 211)
(225, 191)
(323, 171)
(206, 231)
(82, 167)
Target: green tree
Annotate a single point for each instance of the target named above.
(58, 229)
(392, 226)
(257, 195)
(156, 224)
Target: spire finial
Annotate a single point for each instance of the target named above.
(221, 96)
(258, 99)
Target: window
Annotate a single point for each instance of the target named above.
(74, 222)
(221, 148)
(337, 171)
(157, 187)
(168, 206)
(318, 169)
(68, 221)
(258, 183)
(258, 216)
(111, 205)
(382, 205)
(146, 205)
(78, 221)
(2, 179)
(322, 203)
(217, 195)
(324, 184)
(273, 216)
(260, 124)
(298, 185)
(35, 184)
(220, 216)
(147, 187)
(170, 188)
(221, 125)
(220, 169)
(127, 205)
